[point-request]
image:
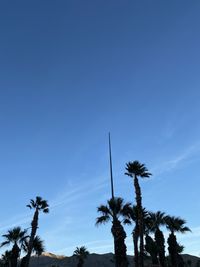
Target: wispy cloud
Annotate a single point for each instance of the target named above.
(79, 190)
(67, 197)
(15, 221)
(175, 162)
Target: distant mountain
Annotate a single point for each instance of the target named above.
(93, 260)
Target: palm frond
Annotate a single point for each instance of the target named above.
(46, 210)
(103, 209)
(176, 224)
(32, 203)
(5, 243)
(102, 219)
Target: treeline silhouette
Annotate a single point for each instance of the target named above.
(148, 237)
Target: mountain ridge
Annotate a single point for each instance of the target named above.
(49, 259)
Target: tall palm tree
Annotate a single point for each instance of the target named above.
(15, 236)
(175, 224)
(113, 212)
(136, 169)
(81, 254)
(157, 219)
(39, 205)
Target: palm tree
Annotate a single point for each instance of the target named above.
(113, 212)
(15, 236)
(175, 224)
(130, 214)
(135, 169)
(81, 254)
(157, 219)
(6, 258)
(152, 249)
(38, 247)
(39, 205)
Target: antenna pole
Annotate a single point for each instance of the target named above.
(111, 172)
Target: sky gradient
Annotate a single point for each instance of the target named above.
(70, 72)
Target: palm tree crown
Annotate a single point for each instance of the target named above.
(114, 209)
(138, 169)
(156, 220)
(176, 224)
(38, 246)
(39, 204)
(14, 236)
(81, 253)
(131, 214)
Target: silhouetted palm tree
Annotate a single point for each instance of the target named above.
(175, 224)
(157, 219)
(38, 247)
(135, 169)
(81, 254)
(113, 211)
(152, 249)
(15, 236)
(130, 214)
(6, 258)
(39, 205)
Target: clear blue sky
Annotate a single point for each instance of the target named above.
(70, 71)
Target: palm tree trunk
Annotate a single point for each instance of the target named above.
(135, 243)
(151, 248)
(34, 226)
(14, 255)
(113, 230)
(140, 215)
(160, 242)
(116, 258)
(120, 246)
(80, 263)
(173, 249)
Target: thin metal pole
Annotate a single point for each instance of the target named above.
(113, 196)
(111, 172)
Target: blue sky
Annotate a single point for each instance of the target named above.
(70, 72)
